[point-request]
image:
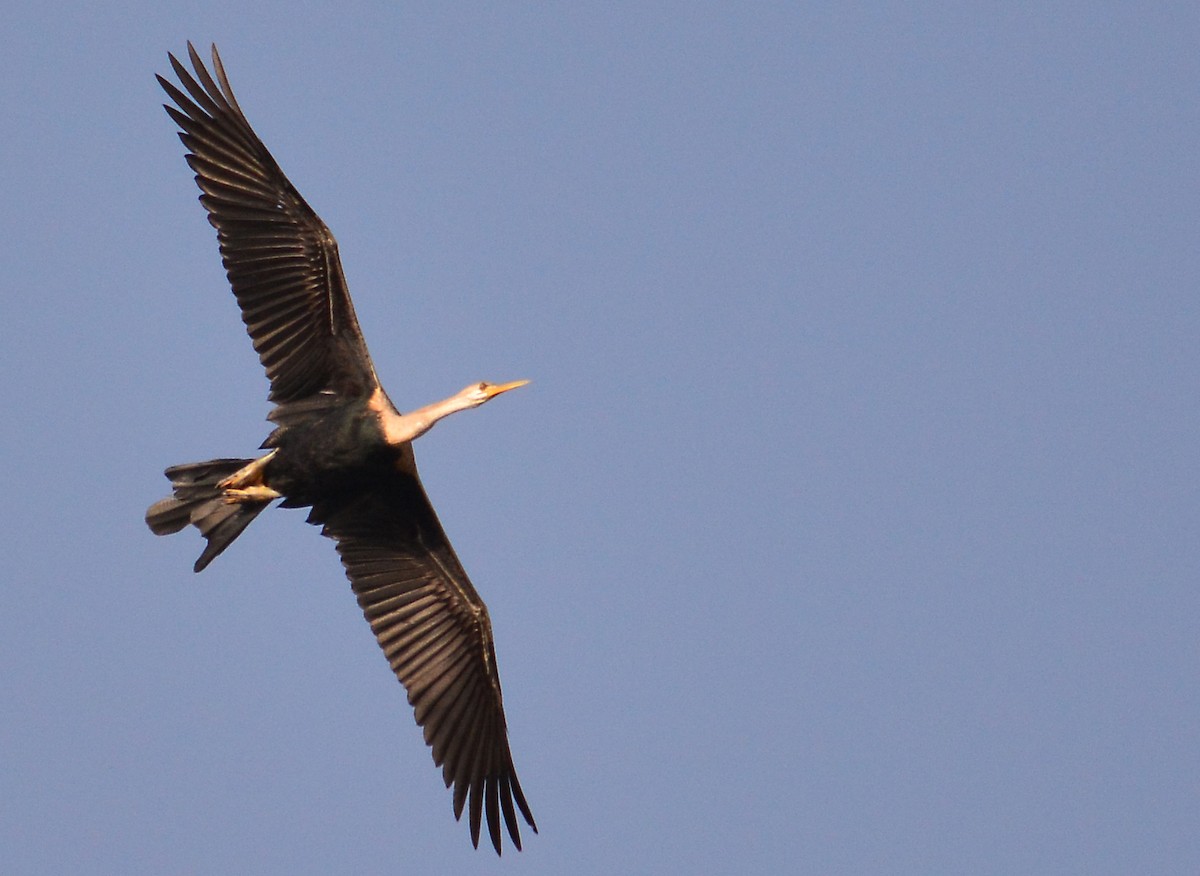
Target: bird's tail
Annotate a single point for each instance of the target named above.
(202, 496)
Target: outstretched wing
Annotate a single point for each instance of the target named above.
(281, 260)
(434, 630)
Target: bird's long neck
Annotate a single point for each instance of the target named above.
(402, 428)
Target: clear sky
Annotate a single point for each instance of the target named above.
(849, 524)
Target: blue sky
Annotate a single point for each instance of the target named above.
(847, 526)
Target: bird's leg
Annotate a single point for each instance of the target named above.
(246, 484)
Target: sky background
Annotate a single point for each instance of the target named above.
(848, 526)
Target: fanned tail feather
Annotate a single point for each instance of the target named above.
(198, 500)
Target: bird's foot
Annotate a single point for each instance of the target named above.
(256, 493)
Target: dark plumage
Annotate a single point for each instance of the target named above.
(341, 448)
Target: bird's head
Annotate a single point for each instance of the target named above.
(478, 393)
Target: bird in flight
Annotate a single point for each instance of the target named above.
(340, 448)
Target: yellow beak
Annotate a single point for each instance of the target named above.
(496, 388)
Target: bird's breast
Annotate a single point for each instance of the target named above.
(339, 450)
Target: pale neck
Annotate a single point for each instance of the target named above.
(402, 428)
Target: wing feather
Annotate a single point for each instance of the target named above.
(435, 632)
(281, 259)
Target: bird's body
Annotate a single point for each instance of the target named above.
(341, 448)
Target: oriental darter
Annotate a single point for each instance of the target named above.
(340, 448)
